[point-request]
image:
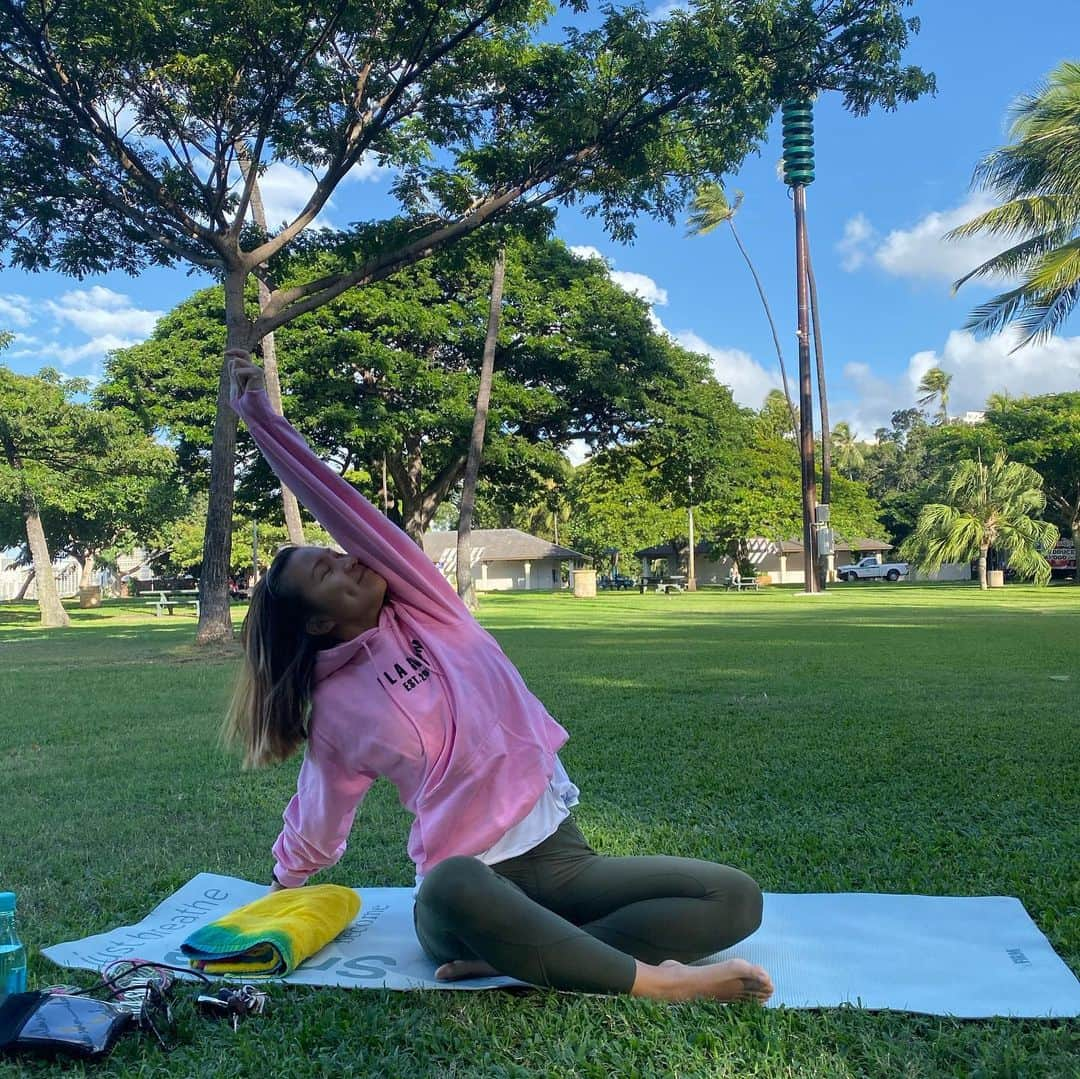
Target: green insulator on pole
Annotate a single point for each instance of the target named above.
(798, 130)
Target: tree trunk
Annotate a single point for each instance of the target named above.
(215, 620)
(466, 588)
(691, 577)
(823, 403)
(25, 586)
(293, 524)
(52, 610)
(982, 566)
(772, 326)
(86, 569)
(49, 604)
(418, 504)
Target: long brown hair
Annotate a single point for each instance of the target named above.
(267, 718)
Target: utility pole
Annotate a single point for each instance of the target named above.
(798, 130)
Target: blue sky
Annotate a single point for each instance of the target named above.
(888, 185)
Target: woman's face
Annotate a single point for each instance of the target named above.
(344, 594)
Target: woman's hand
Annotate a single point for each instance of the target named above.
(243, 374)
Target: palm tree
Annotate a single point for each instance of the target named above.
(935, 386)
(1038, 176)
(710, 209)
(993, 505)
(849, 455)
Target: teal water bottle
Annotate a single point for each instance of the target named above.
(12, 953)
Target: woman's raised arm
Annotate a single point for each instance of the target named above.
(350, 518)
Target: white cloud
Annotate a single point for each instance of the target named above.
(577, 452)
(921, 252)
(982, 367)
(15, 310)
(874, 399)
(853, 246)
(100, 312)
(587, 251)
(749, 381)
(668, 7)
(640, 285)
(67, 355)
(109, 319)
(285, 190)
(979, 369)
(367, 169)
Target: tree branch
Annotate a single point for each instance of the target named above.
(360, 135)
(287, 304)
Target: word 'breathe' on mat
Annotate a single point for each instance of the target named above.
(970, 958)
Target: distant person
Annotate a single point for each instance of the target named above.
(370, 661)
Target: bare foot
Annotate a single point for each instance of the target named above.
(733, 979)
(465, 968)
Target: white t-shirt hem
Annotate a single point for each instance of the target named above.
(551, 809)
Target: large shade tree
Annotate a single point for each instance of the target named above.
(389, 374)
(764, 498)
(124, 127)
(1037, 177)
(58, 473)
(115, 499)
(614, 506)
(1044, 432)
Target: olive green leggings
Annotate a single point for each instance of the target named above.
(563, 916)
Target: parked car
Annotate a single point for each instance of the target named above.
(616, 581)
(870, 569)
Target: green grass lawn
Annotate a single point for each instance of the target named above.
(879, 738)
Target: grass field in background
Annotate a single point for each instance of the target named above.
(879, 738)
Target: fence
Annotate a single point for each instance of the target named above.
(12, 579)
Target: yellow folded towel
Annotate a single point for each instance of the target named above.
(275, 934)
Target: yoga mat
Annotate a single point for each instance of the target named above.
(969, 958)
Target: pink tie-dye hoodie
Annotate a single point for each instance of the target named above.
(427, 698)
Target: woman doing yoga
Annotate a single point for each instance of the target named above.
(369, 661)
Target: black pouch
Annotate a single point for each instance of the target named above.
(44, 1024)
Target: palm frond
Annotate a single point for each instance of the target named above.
(1045, 141)
(1015, 260)
(1042, 317)
(1036, 213)
(996, 313)
(710, 208)
(1057, 270)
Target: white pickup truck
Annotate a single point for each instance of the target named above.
(870, 569)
